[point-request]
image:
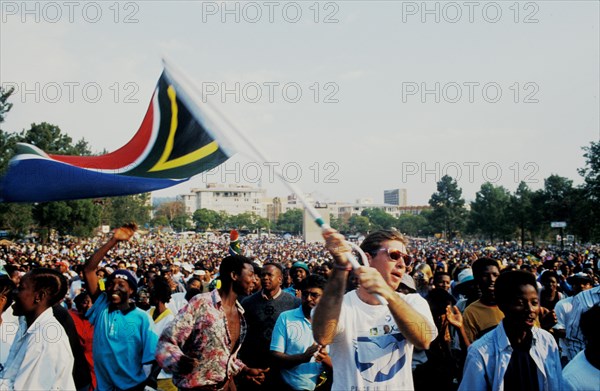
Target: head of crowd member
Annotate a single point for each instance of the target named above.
(588, 323)
(120, 287)
(312, 293)
(422, 274)
(13, 273)
(549, 281)
(287, 279)
(486, 272)
(299, 271)
(517, 297)
(122, 265)
(83, 302)
(236, 274)
(257, 277)
(101, 273)
(407, 285)
(133, 268)
(580, 282)
(565, 269)
(175, 267)
(386, 252)
(7, 286)
(442, 280)
(143, 299)
(165, 271)
(271, 278)
(62, 266)
(466, 286)
(39, 290)
(160, 291)
(326, 269)
(194, 283)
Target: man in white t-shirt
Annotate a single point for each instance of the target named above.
(371, 344)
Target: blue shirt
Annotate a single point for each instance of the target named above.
(123, 342)
(293, 335)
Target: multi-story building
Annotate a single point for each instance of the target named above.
(395, 197)
(232, 199)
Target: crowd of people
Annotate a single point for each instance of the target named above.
(135, 311)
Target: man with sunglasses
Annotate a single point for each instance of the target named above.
(372, 343)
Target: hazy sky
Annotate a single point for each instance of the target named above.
(349, 97)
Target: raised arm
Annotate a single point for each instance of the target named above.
(89, 270)
(327, 312)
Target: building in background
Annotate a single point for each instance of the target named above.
(395, 197)
(232, 199)
(236, 199)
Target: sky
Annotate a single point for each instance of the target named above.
(347, 98)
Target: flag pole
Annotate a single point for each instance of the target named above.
(175, 72)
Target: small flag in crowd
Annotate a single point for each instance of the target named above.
(234, 243)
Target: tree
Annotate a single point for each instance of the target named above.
(206, 219)
(490, 212)
(4, 105)
(591, 171)
(521, 209)
(17, 218)
(181, 222)
(7, 140)
(379, 218)
(170, 210)
(77, 217)
(290, 221)
(359, 224)
(588, 205)
(126, 209)
(448, 212)
(50, 139)
(413, 225)
(85, 217)
(246, 220)
(337, 223)
(174, 212)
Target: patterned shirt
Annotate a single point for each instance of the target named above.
(200, 331)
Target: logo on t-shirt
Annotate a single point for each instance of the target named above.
(380, 355)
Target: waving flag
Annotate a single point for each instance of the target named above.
(175, 141)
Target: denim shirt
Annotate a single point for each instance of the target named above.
(488, 358)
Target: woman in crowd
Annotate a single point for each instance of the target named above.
(40, 357)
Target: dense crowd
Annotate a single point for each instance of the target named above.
(146, 311)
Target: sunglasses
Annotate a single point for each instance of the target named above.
(313, 295)
(395, 255)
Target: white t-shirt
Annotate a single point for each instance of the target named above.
(368, 352)
(580, 375)
(563, 309)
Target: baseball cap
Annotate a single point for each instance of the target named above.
(409, 282)
(124, 275)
